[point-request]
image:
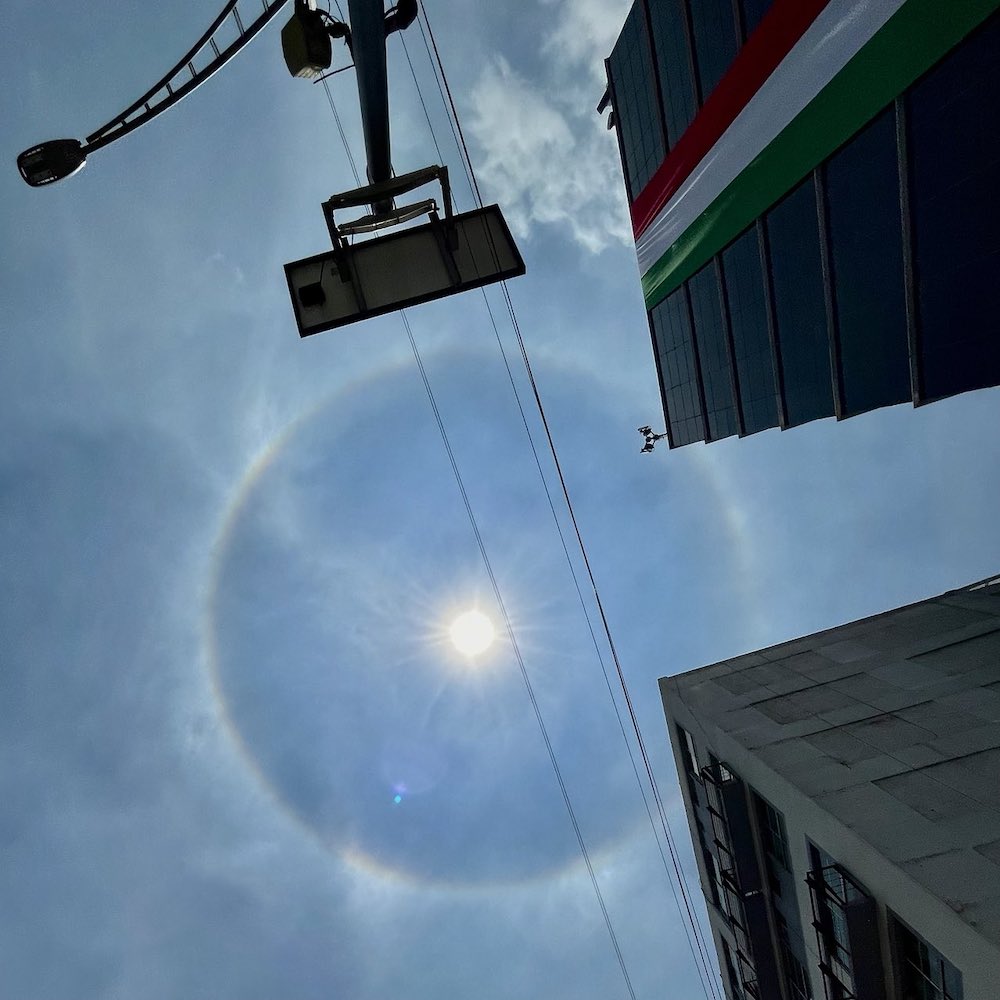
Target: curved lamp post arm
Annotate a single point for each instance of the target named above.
(59, 158)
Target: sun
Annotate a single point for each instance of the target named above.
(472, 633)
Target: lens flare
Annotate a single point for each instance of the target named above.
(472, 633)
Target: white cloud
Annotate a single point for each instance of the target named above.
(584, 35)
(544, 164)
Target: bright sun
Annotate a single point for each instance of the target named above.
(472, 633)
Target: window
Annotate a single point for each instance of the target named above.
(743, 278)
(670, 43)
(835, 893)
(954, 149)
(772, 831)
(924, 973)
(753, 13)
(678, 364)
(866, 251)
(734, 981)
(636, 107)
(799, 305)
(795, 975)
(689, 755)
(715, 44)
(713, 352)
(710, 867)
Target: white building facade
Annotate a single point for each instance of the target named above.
(843, 794)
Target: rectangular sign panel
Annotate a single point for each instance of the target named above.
(402, 269)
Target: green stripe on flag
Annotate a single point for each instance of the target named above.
(911, 42)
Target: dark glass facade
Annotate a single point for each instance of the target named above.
(633, 84)
(800, 319)
(865, 235)
(670, 43)
(748, 318)
(874, 282)
(752, 12)
(714, 352)
(954, 157)
(678, 367)
(713, 26)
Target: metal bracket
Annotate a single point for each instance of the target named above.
(386, 192)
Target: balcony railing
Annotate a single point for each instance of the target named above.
(845, 918)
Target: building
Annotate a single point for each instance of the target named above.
(843, 795)
(812, 187)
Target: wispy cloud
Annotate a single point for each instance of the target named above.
(584, 34)
(546, 165)
(544, 152)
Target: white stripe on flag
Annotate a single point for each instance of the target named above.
(841, 30)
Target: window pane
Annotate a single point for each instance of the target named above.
(744, 280)
(753, 11)
(955, 158)
(799, 306)
(673, 60)
(866, 249)
(924, 972)
(772, 830)
(631, 67)
(715, 45)
(713, 352)
(675, 349)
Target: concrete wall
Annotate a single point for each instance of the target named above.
(880, 742)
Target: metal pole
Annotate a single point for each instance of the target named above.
(368, 42)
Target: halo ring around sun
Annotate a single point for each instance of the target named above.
(351, 849)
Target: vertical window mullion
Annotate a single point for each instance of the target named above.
(692, 55)
(826, 265)
(658, 83)
(909, 273)
(779, 377)
(727, 328)
(660, 380)
(699, 380)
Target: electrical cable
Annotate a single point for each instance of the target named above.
(581, 841)
(423, 103)
(568, 802)
(340, 129)
(593, 637)
(455, 123)
(470, 172)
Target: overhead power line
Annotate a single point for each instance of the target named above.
(702, 961)
(539, 717)
(696, 944)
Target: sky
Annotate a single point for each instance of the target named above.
(239, 757)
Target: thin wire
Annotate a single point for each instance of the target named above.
(340, 129)
(456, 122)
(681, 879)
(444, 101)
(668, 832)
(593, 635)
(423, 103)
(500, 603)
(585, 852)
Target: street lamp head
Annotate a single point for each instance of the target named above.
(51, 161)
(305, 43)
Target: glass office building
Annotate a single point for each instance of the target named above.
(813, 189)
(842, 796)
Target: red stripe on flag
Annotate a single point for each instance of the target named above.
(781, 27)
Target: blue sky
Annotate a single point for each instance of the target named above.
(230, 557)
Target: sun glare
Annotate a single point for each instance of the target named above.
(472, 633)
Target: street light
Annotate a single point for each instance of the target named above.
(356, 279)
